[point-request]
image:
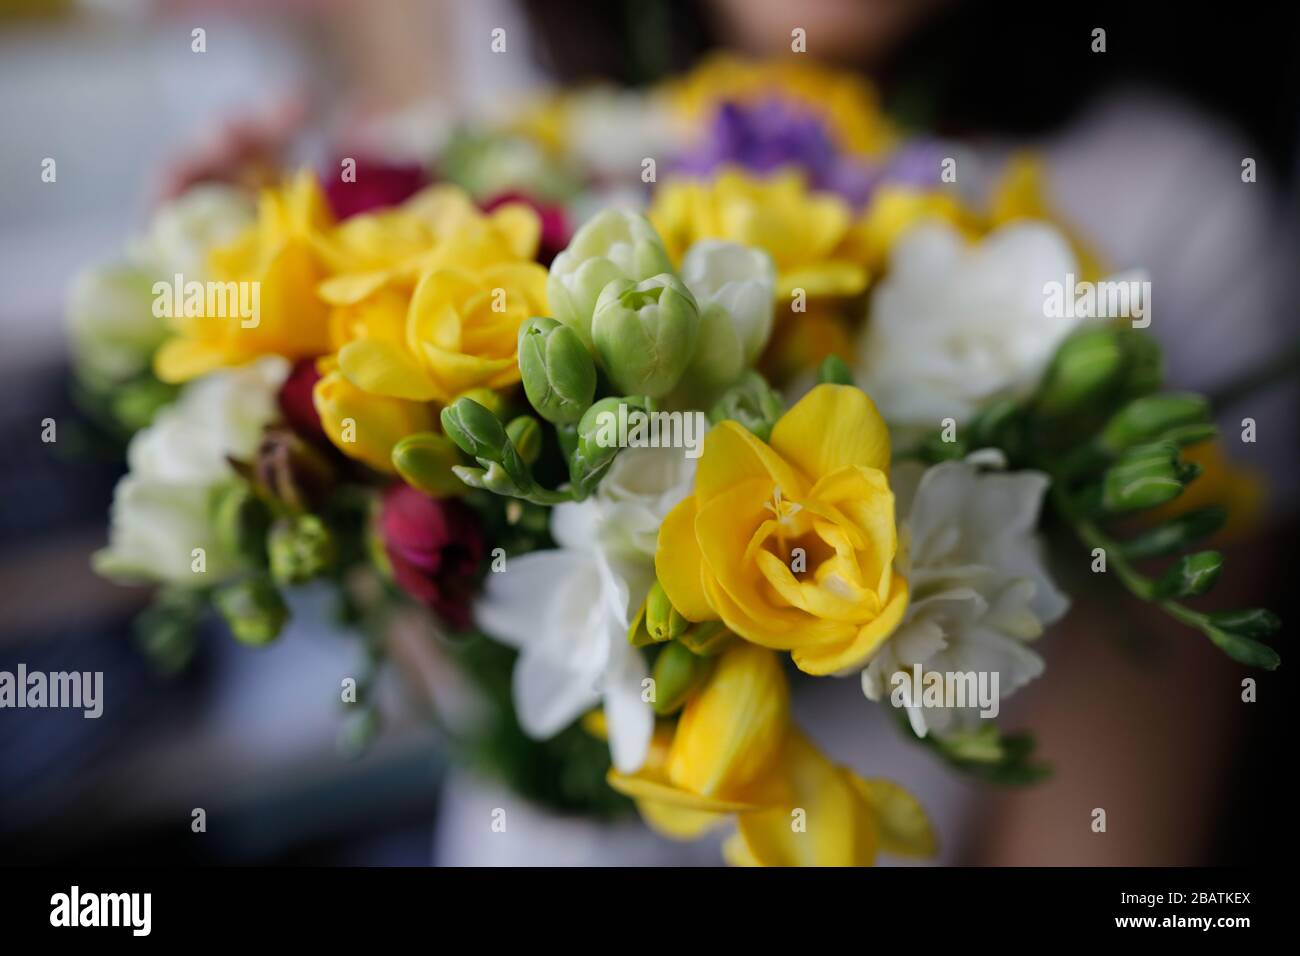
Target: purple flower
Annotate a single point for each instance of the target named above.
(772, 135)
(775, 134)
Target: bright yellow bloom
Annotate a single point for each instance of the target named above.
(733, 751)
(365, 426)
(792, 544)
(847, 104)
(436, 306)
(804, 232)
(281, 254)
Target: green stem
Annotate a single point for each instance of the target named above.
(1137, 583)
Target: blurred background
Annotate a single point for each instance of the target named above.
(1143, 148)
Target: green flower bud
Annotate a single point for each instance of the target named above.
(834, 371)
(752, 403)
(241, 521)
(252, 609)
(1149, 417)
(474, 429)
(613, 245)
(488, 398)
(661, 618)
(1250, 622)
(1190, 575)
(526, 435)
(1147, 476)
(558, 374)
(707, 638)
(1176, 533)
(1085, 364)
(425, 461)
(300, 548)
(645, 333)
(677, 675)
(1244, 650)
(595, 447)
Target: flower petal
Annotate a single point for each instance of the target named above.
(831, 427)
(823, 658)
(385, 368)
(678, 563)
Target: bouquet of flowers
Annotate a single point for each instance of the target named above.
(789, 402)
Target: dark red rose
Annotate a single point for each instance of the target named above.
(435, 547)
(377, 185)
(555, 223)
(296, 402)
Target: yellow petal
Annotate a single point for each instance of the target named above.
(385, 368)
(181, 359)
(678, 564)
(732, 454)
(521, 226)
(904, 828)
(646, 788)
(736, 851)
(678, 823)
(831, 427)
(365, 426)
(824, 821)
(731, 731)
(832, 658)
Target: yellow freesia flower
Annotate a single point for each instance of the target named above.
(804, 232)
(894, 209)
(847, 104)
(435, 306)
(280, 254)
(366, 426)
(461, 332)
(734, 752)
(792, 544)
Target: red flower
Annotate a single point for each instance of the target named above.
(555, 224)
(435, 547)
(378, 184)
(296, 402)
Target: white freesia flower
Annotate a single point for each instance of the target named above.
(111, 321)
(614, 244)
(567, 610)
(980, 592)
(161, 507)
(734, 286)
(956, 324)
